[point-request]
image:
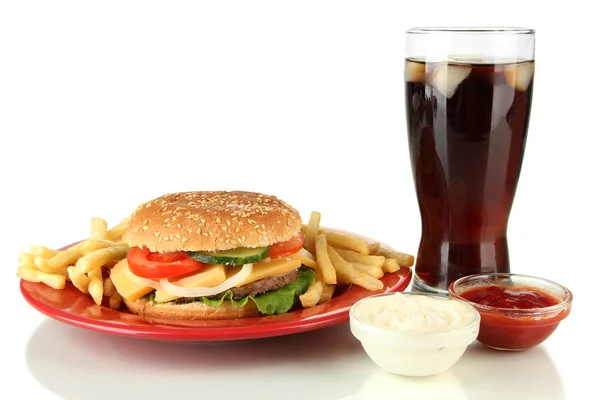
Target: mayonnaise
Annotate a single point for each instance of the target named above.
(406, 313)
(414, 334)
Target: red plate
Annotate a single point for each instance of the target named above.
(71, 306)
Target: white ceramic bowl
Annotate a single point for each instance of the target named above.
(414, 336)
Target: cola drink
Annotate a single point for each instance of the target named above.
(467, 128)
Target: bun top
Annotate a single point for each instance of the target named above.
(208, 221)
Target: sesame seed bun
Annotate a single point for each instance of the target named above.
(191, 311)
(208, 221)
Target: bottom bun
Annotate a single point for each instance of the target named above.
(196, 310)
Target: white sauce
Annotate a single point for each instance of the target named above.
(405, 313)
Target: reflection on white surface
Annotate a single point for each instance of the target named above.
(78, 364)
(482, 373)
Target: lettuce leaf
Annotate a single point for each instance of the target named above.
(277, 301)
(280, 301)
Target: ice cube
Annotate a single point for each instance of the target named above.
(519, 75)
(414, 71)
(446, 78)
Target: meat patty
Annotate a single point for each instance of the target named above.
(261, 285)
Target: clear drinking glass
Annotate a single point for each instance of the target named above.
(468, 100)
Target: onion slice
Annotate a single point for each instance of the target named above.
(179, 291)
(306, 253)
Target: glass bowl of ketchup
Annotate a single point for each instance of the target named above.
(518, 312)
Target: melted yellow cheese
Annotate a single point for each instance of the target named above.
(211, 275)
(127, 287)
(266, 268)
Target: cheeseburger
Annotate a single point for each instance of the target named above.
(213, 255)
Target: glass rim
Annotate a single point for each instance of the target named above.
(505, 30)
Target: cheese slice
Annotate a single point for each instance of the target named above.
(211, 275)
(303, 259)
(266, 268)
(127, 287)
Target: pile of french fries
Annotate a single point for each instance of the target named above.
(345, 259)
(84, 264)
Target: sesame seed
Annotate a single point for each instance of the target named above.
(224, 227)
(144, 228)
(204, 234)
(218, 220)
(179, 226)
(156, 233)
(145, 222)
(220, 240)
(183, 240)
(198, 231)
(170, 237)
(237, 230)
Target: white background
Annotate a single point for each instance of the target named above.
(104, 105)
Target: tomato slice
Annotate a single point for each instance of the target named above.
(146, 264)
(286, 248)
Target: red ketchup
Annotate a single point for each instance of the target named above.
(512, 328)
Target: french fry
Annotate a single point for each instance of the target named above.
(390, 265)
(43, 265)
(99, 229)
(96, 287)
(312, 229)
(115, 233)
(90, 245)
(375, 272)
(109, 287)
(115, 301)
(27, 260)
(304, 260)
(78, 279)
(346, 272)
(66, 257)
(325, 266)
(311, 297)
(404, 260)
(347, 242)
(327, 294)
(96, 259)
(373, 248)
(55, 281)
(353, 256)
(42, 251)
